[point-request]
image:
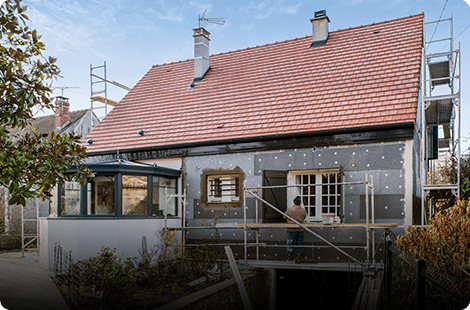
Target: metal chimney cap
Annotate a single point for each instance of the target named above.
(321, 13)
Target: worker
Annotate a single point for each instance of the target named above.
(295, 234)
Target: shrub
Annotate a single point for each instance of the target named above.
(445, 243)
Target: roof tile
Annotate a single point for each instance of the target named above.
(359, 78)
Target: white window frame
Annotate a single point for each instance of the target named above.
(329, 192)
(229, 190)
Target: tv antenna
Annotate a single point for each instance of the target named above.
(62, 88)
(203, 20)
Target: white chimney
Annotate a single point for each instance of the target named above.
(201, 53)
(319, 28)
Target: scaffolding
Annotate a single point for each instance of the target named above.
(99, 88)
(28, 237)
(440, 123)
(369, 226)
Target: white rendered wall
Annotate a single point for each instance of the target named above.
(86, 237)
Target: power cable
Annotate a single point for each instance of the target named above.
(437, 25)
(455, 37)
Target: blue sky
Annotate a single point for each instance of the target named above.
(132, 36)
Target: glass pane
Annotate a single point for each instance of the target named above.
(312, 200)
(338, 213)
(332, 189)
(305, 201)
(338, 178)
(158, 193)
(324, 209)
(338, 200)
(70, 200)
(324, 200)
(324, 178)
(312, 179)
(332, 210)
(305, 179)
(304, 190)
(170, 202)
(332, 200)
(134, 195)
(312, 212)
(100, 196)
(324, 189)
(298, 179)
(332, 178)
(164, 182)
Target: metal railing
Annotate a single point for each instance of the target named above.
(410, 283)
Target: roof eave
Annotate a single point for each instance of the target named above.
(262, 138)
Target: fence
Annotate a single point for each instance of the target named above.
(67, 274)
(411, 284)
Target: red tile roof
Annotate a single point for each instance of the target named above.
(363, 76)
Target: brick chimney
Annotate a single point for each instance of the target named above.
(201, 53)
(62, 115)
(319, 28)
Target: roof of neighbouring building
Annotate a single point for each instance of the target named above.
(46, 124)
(363, 76)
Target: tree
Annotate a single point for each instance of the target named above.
(30, 164)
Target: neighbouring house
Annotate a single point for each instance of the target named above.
(63, 121)
(312, 116)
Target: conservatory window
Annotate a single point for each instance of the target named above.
(70, 198)
(100, 196)
(134, 195)
(164, 187)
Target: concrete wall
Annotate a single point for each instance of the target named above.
(86, 237)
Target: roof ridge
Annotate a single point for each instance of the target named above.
(297, 38)
(378, 23)
(306, 36)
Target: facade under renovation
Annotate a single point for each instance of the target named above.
(219, 145)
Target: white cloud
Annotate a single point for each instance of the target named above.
(468, 2)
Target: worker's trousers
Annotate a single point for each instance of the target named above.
(298, 238)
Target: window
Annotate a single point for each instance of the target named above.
(320, 192)
(100, 196)
(223, 188)
(134, 195)
(121, 188)
(70, 198)
(161, 187)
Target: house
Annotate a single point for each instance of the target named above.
(315, 116)
(80, 122)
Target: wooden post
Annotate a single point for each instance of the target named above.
(238, 278)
